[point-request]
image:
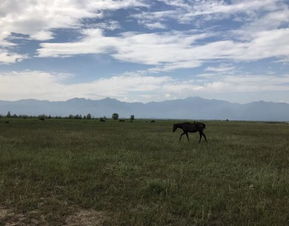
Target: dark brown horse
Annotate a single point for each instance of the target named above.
(189, 127)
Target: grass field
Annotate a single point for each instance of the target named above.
(56, 171)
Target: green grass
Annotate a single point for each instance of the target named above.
(139, 174)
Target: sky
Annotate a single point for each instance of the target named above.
(144, 50)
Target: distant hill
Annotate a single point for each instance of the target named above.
(189, 108)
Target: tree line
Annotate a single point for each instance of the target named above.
(115, 116)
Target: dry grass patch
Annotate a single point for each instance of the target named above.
(80, 218)
(10, 218)
(4, 213)
(86, 218)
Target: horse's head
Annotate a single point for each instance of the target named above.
(175, 127)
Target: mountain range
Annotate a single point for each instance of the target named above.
(189, 108)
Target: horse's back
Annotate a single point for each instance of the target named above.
(191, 127)
(194, 127)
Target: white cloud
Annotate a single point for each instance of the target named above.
(271, 21)
(163, 50)
(220, 69)
(48, 86)
(149, 48)
(272, 43)
(33, 18)
(107, 25)
(37, 18)
(6, 57)
(172, 50)
(156, 25)
(170, 66)
(188, 11)
(215, 7)
(42, 35)
(127, 87)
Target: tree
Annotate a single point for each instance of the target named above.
(41, 117)
(131, 117)
(88, 116)
(115, 116)
(8, 114)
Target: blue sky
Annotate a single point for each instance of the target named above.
(144, 50)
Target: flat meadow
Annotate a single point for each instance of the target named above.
(87, 172)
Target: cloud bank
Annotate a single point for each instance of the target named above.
(127, 87)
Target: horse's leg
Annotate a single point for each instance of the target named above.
(200, 133)
(187, 136)
(181, 136)
(204, 136)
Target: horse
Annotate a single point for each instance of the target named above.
(189, 127)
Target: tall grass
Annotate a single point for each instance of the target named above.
(139, 174)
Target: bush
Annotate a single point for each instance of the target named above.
(115, 116)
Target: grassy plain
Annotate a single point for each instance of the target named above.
(139, 174)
